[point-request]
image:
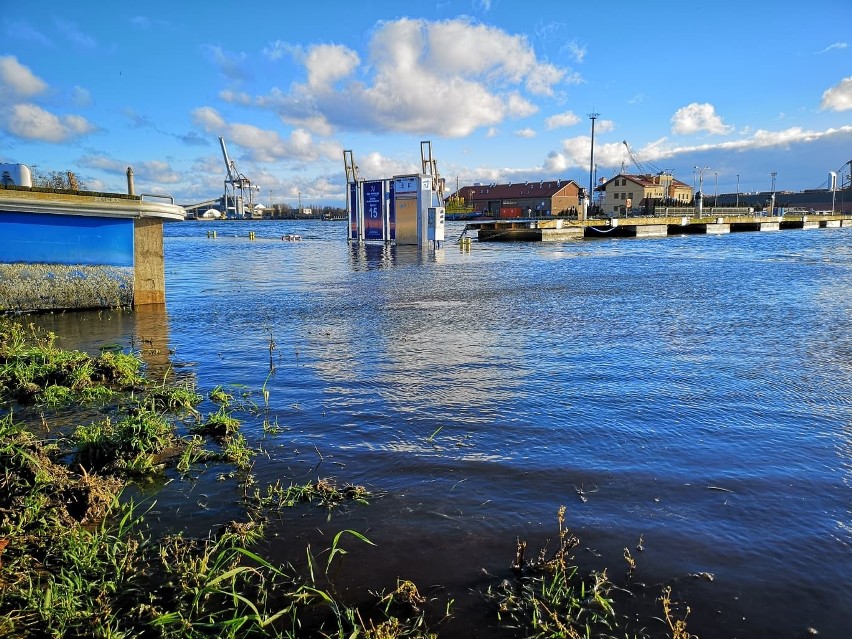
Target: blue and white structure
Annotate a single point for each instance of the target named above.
(64, 249)
(404, 209)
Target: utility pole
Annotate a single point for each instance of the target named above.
(592, 116)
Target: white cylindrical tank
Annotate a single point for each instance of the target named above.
(832, 181)
(15, 175)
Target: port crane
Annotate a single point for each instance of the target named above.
(644, 168)
(239, 191)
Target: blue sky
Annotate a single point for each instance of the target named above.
(501, 88)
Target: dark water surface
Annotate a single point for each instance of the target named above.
(694, 392)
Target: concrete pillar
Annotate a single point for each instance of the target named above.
(718, 229)
(149, 271)
(561, 234)
(652, 230)
(770, 226)
(810, 225)
(831, 224)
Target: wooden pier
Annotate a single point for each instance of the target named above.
(561, 229)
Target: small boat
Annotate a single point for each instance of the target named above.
(291, 238)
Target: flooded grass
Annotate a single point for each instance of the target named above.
(78, 560)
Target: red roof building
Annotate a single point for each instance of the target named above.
(522, 199)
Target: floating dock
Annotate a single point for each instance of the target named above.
(560, 229)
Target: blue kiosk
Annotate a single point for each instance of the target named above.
(404, 209)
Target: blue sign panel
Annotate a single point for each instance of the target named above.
(391, 214)
(353, 211)
(373, 211)
(42, 238)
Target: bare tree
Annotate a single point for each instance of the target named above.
(58, 180)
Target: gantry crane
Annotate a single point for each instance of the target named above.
(239, 191)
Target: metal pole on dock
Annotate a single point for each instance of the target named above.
(593, 116)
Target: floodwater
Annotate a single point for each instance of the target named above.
(692, 394)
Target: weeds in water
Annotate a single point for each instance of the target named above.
(130, 444)
(220, 396)
(236, 451)
(631, 562)
(272, 428)
(193, 453)
(220, 424)
(551, 598)
(677, 626)
(173, 398)
(323, 492)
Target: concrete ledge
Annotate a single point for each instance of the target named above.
(770, 226)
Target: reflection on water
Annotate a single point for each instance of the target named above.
(694, 391)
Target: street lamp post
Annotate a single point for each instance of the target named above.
(738, 190)
(699, 196)
(716, 190)
(592, 116)
(772, 197)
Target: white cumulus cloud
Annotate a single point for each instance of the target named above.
(525, 133)
(31, 122)
(569, 118)
(446, 77)
(18, 80)
(838, 98)
(326, 64)
(264, 145)
(695, 118)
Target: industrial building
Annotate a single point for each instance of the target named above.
(523, 199)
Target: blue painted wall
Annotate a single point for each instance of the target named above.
(40, 238)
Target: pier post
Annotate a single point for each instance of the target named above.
(149, 272)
